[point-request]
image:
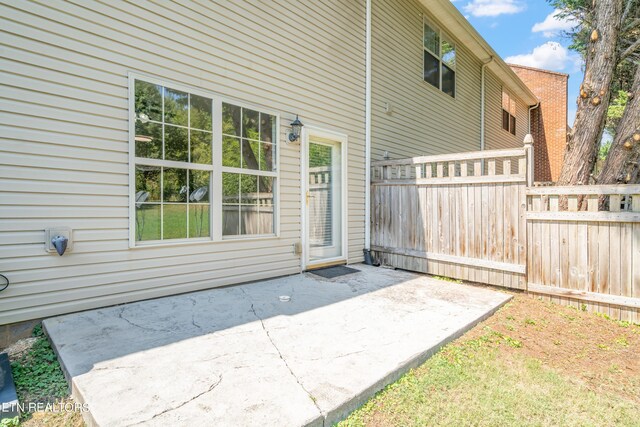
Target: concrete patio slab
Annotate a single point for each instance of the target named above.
(240, 356)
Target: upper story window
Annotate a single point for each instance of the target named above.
(508, 113)
(183, 189)
(439, 60)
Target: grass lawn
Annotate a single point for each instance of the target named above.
(532, 364)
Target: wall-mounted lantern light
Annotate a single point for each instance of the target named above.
(296, 128)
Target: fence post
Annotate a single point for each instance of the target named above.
(528, 148)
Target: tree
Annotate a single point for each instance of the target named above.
(622, 162)
(601, 54)
(615, 111)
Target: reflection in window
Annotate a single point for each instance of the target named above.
(248, 138)
(174, 145)
(247, 204)
(248, 144)
(172, 202)
(439, 60)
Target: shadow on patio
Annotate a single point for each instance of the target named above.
(239, 355)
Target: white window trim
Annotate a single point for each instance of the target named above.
(515, 113)
(442, 36)
(216, 168)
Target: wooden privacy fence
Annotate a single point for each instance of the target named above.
(591, 256)
(477, 217)
(459, 215)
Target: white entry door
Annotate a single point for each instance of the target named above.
(325, 198)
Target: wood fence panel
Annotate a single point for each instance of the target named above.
(475, 216)
(598, 266)
(454, 218)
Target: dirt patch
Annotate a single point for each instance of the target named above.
(19, 348)
(50, 418)
(601, 353)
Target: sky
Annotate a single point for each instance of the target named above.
(527, 32)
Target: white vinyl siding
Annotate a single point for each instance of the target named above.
(497, 138)
(409, 116)
(64, 141)
(423, 120)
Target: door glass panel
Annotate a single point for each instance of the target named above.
(324, 199)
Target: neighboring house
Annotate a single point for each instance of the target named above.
(549, 121)
(157, 136)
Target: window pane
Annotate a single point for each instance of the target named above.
(200, 112)
(174, 221)
(147, 221)
(201, 147)
(176, 107)
(265, 222)
(250, 124)
(175, 185)
(505, 101)
(248, 189)
(230, 220)
(512, 106)
(176, 144)
(231, 152)
(448, 81)
(199, 220)
(230, 188)
(249, 220)
(266, 156)
(513, 125)
(449, 54)
(250, 154)
(265, 186)
(267, 127)
(148, 102)
(431, 69)
(431, 39)
(148, 140)
(505, 120)
(231, 116)
(199, 184)
(147, 184)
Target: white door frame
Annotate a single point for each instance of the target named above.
(307, 133)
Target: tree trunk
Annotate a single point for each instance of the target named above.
(595, 92)
(622, 164)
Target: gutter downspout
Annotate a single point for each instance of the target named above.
(482, 96)
(530, 111)
(367, 139)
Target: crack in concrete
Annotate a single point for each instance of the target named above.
(313, 399)
(121, 316)
(264, 328)
(193, 312)
(313, 359)
(208, 390)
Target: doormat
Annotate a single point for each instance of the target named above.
(331, 272)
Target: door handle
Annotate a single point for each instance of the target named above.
(308, 195)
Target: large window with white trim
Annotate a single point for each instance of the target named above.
(204, 168)
(439, 60)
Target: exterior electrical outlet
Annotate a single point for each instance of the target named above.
(50, 236)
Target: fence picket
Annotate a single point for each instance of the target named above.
(475, 218)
